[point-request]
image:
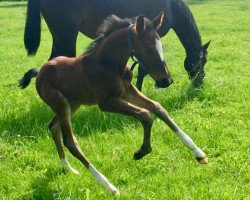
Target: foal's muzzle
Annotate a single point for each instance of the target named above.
(163, 83)
(165, 80)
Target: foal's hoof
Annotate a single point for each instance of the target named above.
(70, 169)
(203, 160)
(116, 193)
(141, 153)
(113, 190)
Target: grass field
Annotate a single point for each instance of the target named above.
(216, 116)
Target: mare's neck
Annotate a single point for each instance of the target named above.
(185, 27)
(114, 52)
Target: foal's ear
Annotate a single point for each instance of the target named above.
(139, 24)
(157, 22)
(205, 46)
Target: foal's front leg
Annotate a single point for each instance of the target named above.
(120, 106)
(137, 98)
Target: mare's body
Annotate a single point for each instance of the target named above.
(66, 18)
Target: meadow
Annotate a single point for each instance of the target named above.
(216, 115)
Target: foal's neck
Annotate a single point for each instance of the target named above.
(114, 51)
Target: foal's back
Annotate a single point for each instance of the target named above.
(66, 76)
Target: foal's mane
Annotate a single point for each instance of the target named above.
(109, 25)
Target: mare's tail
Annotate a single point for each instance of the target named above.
(32, 33)
(25, 81)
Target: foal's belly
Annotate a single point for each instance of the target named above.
(78, 91)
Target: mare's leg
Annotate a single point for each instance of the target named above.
(117, 105)
(137, 98)
(60, 105)
(141, 74)
(64, 46)
(64, 35)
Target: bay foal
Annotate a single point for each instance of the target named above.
(101, 76)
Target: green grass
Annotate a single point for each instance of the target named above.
(216, 116)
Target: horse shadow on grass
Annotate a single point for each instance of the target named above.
(33, 123)
(41, 187)
(186, 95)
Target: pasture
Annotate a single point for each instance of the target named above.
(216, 115)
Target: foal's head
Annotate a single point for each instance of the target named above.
(147, 48)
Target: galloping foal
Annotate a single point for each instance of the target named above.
(101, 76)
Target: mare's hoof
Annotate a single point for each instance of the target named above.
(203, 160)
(141, 153)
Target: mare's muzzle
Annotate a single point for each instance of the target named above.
(197, 76)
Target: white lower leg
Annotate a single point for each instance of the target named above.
(188, 142)
(66, 166)
(103, 180)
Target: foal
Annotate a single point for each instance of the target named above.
(101, 76)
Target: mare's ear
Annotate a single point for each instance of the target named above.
(157, 22)
(139, 24)
(205, 46)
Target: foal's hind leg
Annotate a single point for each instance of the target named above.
(61, 107)
(137, 98)
(70, 142)
(56, 133)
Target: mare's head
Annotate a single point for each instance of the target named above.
(147, 48)
(195, 62)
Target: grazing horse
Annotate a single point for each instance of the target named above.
(101, 76)
(66, 18)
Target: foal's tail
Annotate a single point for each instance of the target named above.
(25, 81)
(32, 33)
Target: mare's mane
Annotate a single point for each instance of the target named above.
(109, 25)
(183, 12)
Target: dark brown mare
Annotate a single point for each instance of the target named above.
(101, 76)
(66, 18)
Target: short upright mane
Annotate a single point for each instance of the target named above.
(109, 25)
